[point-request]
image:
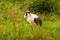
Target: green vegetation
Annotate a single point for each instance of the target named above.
(13, 26)
(44, 6)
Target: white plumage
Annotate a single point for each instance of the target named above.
(31, 18)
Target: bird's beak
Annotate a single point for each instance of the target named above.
(24, 16)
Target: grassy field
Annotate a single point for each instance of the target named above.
(13, 26)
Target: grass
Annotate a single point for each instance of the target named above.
(18, 29)
(13, 26)
(23, 31)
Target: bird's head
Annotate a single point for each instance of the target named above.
(27, 14)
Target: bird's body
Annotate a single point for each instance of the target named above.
(33, 18)
(30, 19)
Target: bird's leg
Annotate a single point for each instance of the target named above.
(31, 27)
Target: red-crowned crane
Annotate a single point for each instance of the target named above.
(32, 18)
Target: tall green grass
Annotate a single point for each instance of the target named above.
(13, 26)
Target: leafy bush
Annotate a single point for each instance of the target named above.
(44, 6)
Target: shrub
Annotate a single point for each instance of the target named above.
(44, 6)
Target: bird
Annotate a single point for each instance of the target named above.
(32, 18)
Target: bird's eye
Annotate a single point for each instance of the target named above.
(26, 14)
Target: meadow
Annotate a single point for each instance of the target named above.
(13, 26)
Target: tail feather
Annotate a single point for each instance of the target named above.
(38, 21)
